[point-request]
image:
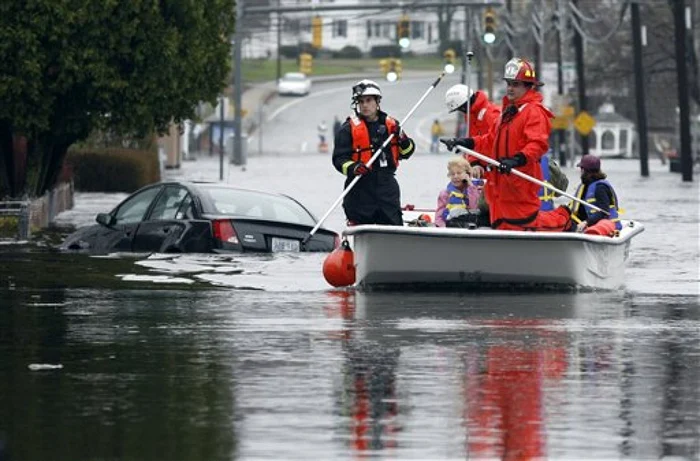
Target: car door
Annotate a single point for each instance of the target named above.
(127, 217)
(171, 225)
(161, 221)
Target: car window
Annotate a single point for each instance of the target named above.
(168, 203)
(252, 204)
(186, 210)
(134, 208)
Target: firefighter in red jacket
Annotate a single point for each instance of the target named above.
(376, 198)
(518, 140)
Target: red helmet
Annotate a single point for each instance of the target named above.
(522, 71)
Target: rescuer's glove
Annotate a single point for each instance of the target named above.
(450, 143)
(507, 164)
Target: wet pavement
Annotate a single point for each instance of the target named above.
(201, 357)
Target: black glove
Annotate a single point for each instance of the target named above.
(450, 143)
(359, 169)
(507, 164)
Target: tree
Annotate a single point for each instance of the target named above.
(70, 67)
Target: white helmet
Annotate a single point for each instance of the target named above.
(366, 88)
(457, 96)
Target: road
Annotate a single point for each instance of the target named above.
(292, 121)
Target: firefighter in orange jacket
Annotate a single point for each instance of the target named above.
(376, 198)
(518, 140)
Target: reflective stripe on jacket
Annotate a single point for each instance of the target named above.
(546, 195)
(590, 198)
(361, 145)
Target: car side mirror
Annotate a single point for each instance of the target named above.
(105, 219)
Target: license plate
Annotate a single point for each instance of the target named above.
(280, 244)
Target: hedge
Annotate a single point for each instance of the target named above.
(112, 169)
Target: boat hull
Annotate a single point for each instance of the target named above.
(483, 258)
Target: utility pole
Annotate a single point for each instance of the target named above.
(279, 46)
(681, 21)
(578, 45)
(238, 158)
(639, 91)
(560, 134)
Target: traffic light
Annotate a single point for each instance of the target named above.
(317, 32)
(449, 56)
(403, 31)
(489, 26)
(384, 66)
(305, 63)
(395, 69)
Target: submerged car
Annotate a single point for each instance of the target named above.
(294, 83)
(190, 217)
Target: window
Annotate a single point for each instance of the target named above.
(168, 203)
(417, 29)
(133, 210)
(607, 140)
(340, 28)
(623, 139)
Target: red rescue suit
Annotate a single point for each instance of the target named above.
(514, 203)
(483, 114)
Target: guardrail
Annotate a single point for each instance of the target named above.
(40, 212)
(20, 209)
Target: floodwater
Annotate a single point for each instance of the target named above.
(197, 357)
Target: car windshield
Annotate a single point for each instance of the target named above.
(295, 77)
(252, 204)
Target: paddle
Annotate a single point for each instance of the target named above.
(529, 178)
(371, 161)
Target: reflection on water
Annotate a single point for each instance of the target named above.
(201, 371)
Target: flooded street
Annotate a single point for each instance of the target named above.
(197, 357)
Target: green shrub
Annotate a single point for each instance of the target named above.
(456, 45)
(113, 169)
(385, 51)
(348, 52)
(9, 226)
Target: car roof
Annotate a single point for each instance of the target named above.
(198, 185)
(295, 74)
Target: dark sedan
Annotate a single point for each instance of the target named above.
(194, 217)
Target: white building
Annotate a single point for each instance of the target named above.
(363, 28)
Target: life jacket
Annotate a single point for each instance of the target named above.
(590, 198)
(361, 145)
(546, 195)
(456, 199)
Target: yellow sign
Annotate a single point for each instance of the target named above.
(567, 111)
(584, 123)
(561, 123)
(564, 118)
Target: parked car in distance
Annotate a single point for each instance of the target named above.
(193, 217)
(294, 83)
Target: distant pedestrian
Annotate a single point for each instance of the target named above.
(435, 132)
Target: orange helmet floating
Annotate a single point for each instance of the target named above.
(339, 266)
(521, 70)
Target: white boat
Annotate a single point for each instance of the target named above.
(484, 258)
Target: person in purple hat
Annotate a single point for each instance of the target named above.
(596, 190)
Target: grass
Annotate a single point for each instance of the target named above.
(262, 70)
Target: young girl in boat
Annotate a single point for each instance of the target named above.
(460, 193)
